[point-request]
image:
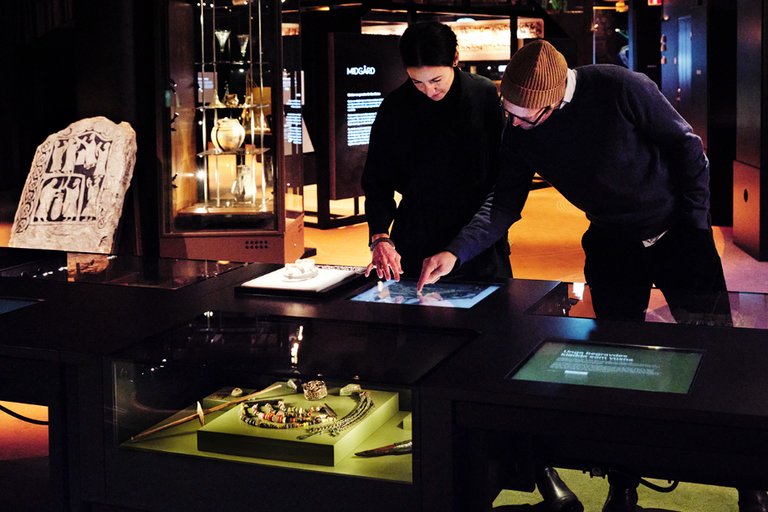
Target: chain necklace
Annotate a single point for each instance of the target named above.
(334, 428)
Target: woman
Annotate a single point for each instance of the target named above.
(435, 142)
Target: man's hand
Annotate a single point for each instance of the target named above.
(386, 260)
(435, 267)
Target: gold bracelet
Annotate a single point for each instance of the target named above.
(315, 390)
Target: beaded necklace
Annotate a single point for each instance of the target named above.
(278, 414)
(317, 420)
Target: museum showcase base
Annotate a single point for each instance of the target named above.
(224, 427)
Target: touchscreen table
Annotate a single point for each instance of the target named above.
(643, 368)
(446, 295)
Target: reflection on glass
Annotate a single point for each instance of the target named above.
(119, 270)
(723, 309)
(248, 345)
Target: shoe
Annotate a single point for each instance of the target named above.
(622, 494)
(557, 496)
(753, 501)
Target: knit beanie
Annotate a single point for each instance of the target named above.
(535, 76)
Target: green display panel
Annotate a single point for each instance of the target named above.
(642, 368)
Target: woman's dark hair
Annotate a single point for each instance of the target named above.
(428, 44)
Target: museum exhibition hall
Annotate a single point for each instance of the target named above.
(193, 310)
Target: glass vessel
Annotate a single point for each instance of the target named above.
(232, 183)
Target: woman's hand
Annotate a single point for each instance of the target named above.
(384, 258)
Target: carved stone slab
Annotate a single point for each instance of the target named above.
(73, 197)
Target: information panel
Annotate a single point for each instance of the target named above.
(363, 69)
(642, 368)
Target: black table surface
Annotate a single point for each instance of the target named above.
(101, 319)
(724, 412)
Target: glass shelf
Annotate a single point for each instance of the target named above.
(239, 151)
(225, 189)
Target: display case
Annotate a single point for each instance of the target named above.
(74, 267)
(297, 407)
(232, 179)
(724, 309)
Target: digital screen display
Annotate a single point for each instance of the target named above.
(446, 295)
(363, 69)
(7, 305)
(642, 368)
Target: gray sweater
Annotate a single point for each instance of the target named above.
(618, 151)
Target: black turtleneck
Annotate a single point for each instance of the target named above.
(441, 156)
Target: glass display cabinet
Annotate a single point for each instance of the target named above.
(723, 309)
(124, 270)
(297, 407)
(232, 179)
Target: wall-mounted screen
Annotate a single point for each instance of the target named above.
(363, 69)
(642, 368)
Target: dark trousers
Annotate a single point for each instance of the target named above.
(683, 264)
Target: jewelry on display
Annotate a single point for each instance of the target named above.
(349, 389)
(334, 428)
(206, 411)
(330, 411)
(390, 449)
(315, 390)
(278, 414)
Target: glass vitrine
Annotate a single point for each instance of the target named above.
(124, 270)
(325, 407)
(232, 180)
(722, 309)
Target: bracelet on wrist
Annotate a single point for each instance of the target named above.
(383, 239)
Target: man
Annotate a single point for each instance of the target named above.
(608, 140)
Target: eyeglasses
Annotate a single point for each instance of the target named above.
(532, 122)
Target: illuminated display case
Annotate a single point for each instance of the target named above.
(205, 398)
(232, 184)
